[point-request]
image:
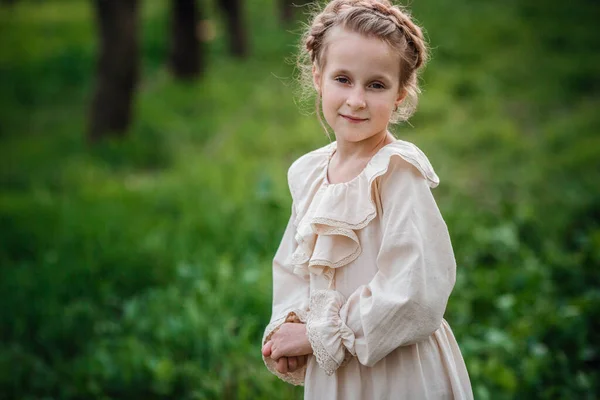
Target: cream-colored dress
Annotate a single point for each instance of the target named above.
(368, 266)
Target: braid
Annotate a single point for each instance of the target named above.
(413, 34)
(321, 24)
(401, 18)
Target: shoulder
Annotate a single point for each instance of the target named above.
(404, 182)
(307, 169)
(402, 163)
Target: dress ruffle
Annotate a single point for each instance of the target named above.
(326, 329)
(329, 215)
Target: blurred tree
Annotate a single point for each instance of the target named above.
(287, 11)
(238, 42)
(287, 8)
(185, 59)
(117, 68)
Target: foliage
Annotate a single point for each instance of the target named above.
(141, 269)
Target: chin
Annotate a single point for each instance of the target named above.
(353, 136)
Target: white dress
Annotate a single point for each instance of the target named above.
(368, 266)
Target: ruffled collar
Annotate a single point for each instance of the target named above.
(379, 163)
(329, 215)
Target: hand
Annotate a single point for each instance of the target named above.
(285, 364)
(290, 340)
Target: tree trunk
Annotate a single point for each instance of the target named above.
(185, 59)
(287, 11)
(117, 68)
(238, 42)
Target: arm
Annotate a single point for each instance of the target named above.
(290, 300)
(405, 301)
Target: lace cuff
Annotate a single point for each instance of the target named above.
(296, 377)
(331, 339)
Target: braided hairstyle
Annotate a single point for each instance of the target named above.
(375, 18)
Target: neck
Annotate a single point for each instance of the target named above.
(346, 150)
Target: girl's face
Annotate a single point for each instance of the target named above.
(358, 85)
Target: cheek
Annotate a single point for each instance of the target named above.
(332, 101)
(331, 94)
(382, 106)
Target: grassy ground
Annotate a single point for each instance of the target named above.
(141, 269)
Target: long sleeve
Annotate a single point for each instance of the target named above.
(290, 299)
(405, 301)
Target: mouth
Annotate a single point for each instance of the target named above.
(352, 119)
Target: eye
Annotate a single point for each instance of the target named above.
(377, 85)
(342, 79)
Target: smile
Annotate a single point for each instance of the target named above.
(354, 120)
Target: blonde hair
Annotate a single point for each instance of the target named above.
(375, 18)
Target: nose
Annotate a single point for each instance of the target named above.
(356, 98)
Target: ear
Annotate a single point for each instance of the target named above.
(401, 96)
(316, 73)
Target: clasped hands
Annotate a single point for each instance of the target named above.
(288, 347)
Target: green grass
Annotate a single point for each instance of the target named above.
(141, 268)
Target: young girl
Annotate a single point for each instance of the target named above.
(365, 267)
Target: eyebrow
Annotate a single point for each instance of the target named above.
(375, 77)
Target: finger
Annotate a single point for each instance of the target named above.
(282, 365)
(275, 353)
(302, 361)
(292, 364)
(266, 350)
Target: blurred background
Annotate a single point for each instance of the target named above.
(144, 147)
